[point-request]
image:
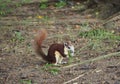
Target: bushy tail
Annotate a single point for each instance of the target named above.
(42, 34)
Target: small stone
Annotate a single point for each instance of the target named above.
(106, 82)
(23, 75)
(117, 82)
(75, 83)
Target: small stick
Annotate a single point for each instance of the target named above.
(74, 79)
(92, 60)
(81, 76)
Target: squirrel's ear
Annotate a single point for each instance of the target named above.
(65, 44)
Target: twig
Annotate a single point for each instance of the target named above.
(74, 79)
(92, 60)
(88, 72)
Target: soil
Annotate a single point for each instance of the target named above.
(19, 64)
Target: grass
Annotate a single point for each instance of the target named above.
(54, 71)
(97, 39)
(25, 81)
(70, 59)
(60, 4)
(49, 68)
(4, 7)
(7, 6)
(43, 5)
(99, 34)
(18, 36)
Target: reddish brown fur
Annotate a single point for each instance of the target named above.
(52, 49)
(38, 43)
(50, 57)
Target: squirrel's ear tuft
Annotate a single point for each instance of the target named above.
(65, 44)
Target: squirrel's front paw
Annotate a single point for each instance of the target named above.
(64, 62)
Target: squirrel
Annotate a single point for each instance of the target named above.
(56, 51)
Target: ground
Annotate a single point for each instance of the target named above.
(19, 64)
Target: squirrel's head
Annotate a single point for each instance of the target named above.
(69, 49)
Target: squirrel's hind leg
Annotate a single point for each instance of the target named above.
(59, 58)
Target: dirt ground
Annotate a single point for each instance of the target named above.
(19, 64)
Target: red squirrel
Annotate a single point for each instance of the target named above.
(56, 51)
